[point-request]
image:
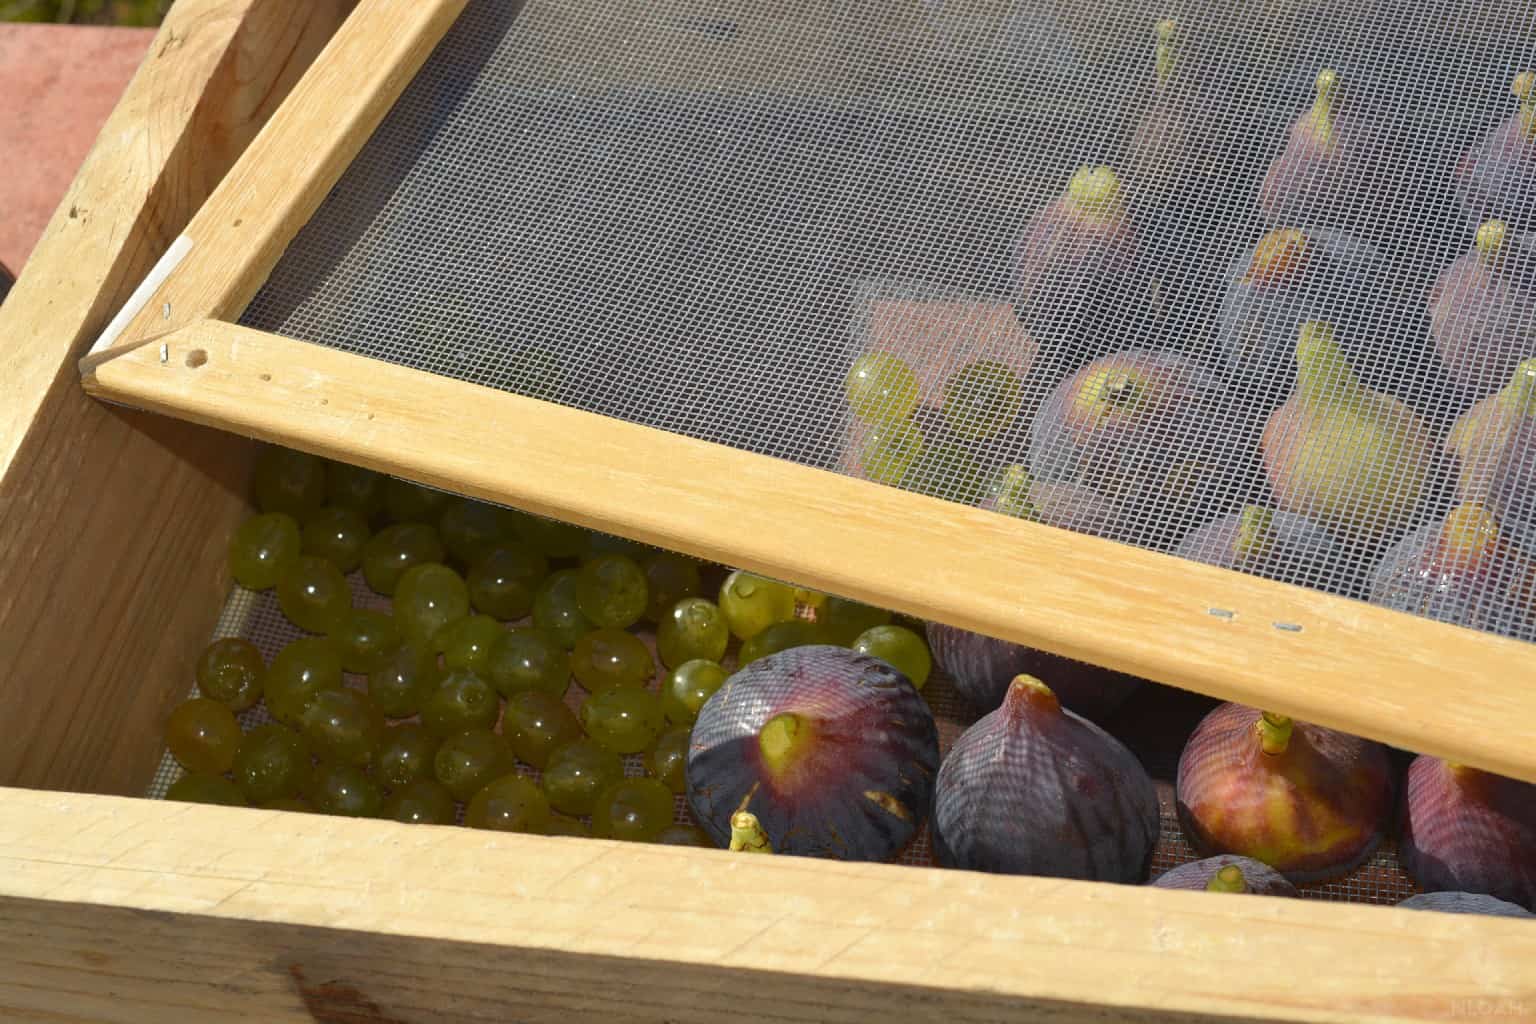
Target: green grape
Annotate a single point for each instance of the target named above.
(889, 450)
(509, 804)
(687, 687)
(900, 648)
(551, 538)
(623, 720)
(288, 803)
(395, 549)
(427, 598)
(635, 810)
(668, 759)
(468, 760)
(301, 671)
(840, 621)
(467, 642)
(576, 773)
(535, 724)
(555, 610)
(337, 535)
(366, 639)
(405, 502)
(343, 789)
(343, 726)
(503, 581)
(611, 591)
(684, 835)
(780, 636)
(401, 684)
(946, 471)
(271, 764)
(880, 387)
(611, 657)
(405, 755)
(982, 399)
(262, 549)
(560, 825)
(289, 482)
(527, 659)
(420, 802)
(356, 488)
(471, 528)
(694, 628)
(810, 598)
(206, 789)
(598, 543)
(669, 578)
(461, 700)
(751, 604)
(202, 735)
(314, 595)
(230, 671)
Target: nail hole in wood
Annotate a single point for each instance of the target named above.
(197, 357)
(266, 376)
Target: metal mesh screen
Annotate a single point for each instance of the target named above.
(1092, 239)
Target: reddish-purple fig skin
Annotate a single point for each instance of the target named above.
(1466, 830)
(1464, 903)
(1315, 811)
(856, 787)
(1261, 879)
(1034, 789)
(983, 666)
(1296, 547)
(1316, 183)
(1498, 178)
(1063, 259)
(1482, 315)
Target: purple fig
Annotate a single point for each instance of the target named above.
(1469, 831)
(1479, 439)
(1482, 309)
(1014, 492)
(1498, 178)
(1035, 789)
(1310, 802)
(1160, 150)
(833, 751)
(1227, 873)
(1464, 903)
(1328, 168)
(1279, 545)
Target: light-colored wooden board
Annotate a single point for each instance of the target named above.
(147, 911)
(1422, 685)
(114, 522)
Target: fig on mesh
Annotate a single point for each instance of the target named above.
(1467, 830)
(1312, 803)
(1482, 309)
(834, 753)
(1327, 173)
(1464, 903)
(1014, 491)
(1261, 541)
(1033, 788)
(982, 667)
(1482, 434)
(1497, 179)
(1160, 151)
(1226, 873)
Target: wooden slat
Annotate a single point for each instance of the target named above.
(1422, 685)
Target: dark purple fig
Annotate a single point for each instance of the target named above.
(833, 751)
(982, 667)
(1227, 873)
(1467, 830)
(1279, 545)
(1498, 178)
(1328, 171)
(1464, 903)
(1310, 802)
(1034, 789)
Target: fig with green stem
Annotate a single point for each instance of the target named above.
(1498, 177)
(1160, 153)
(1479, 439)
(1261, 541)
(1228, 874)
(1482, 309)
(1328, 171)
(1467, 830)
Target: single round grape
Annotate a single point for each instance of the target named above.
(394, 549)
(343, 726)
(467, 642)
(694, 628)
(461, 700)
(343, 789)
(206, 789)
(509, 804)
(635, 810)
(780, 636)
(470, 528)
(751, 604)
(314, 595)
(881, 387)
(900, 648)
(468, 760)
(982, 399)
(420, 802)
(946, 471)
(551, 538)
(577, 772)
(684, 835)
(289, 482)
(261, 550)
(405, 502)
(504, 579)
(555, 610)
(560, 825)
(889, 451)
(401, 685)
(202, 735)
(623, 720)
(687, 687)
(356, 488)
(599, 543)
(337, 535)
(288, 803)
(305, 668)
(366, 639)
(668, 759)
(427, 598)
(611, 591)
(406, 753)
(669, 578)
(527, 659)
(535, 723)
(611, 657)
(840, 621)
(231, 672)
(271, 764)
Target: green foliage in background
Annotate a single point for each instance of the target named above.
(86, 12)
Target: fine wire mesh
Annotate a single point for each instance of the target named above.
(696, 216)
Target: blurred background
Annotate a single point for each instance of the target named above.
(86, 12)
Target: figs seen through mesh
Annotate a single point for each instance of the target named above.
(1464, 903)
(1279, 545)
(1498, 177)
(1228, 874)
(1482, 309)
(1328, 170)
(1467, 830)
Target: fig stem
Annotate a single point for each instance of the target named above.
(1167, 51)
(1278, 254)
(1519, 395)
(1327, 87)
(1095, 192)
(1324, 377)
(1033, 692)
(1524, 88)
(747, 835)
(1274, 732)
(1491, 236)
(1228, 879)
(1254, 531)
(1468, 530)
(1013, 486)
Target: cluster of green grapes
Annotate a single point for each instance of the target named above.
(492, 613)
